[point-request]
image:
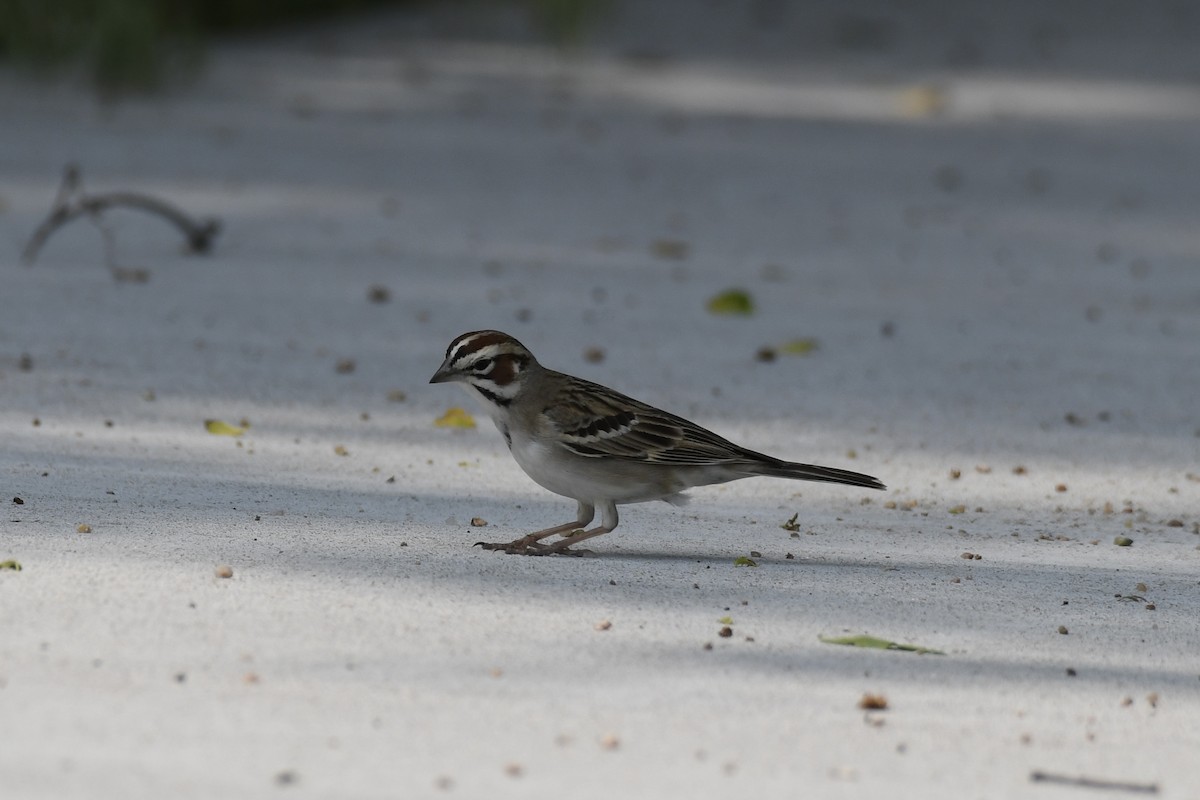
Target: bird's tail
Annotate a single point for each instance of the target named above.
(810, 472)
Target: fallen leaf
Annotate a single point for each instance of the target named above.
(219, 428)
(732, 301)
(743, 561)
(455, 418)
(12, 564)
(800, 347)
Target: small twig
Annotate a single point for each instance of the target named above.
(1084, 782)
(71, 203)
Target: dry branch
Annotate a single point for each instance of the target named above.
(72, 202)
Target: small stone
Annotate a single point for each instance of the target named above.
(478, 522)
(873, 702)
(610, 741)
(1062, 487)
(345, 366)
(83, 527)
(223, 571)
(1063, 630)
(379, 294)
(725, 632)
(604, 625)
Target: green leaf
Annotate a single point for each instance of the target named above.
(791, 524)
(880, 644)
(743, 561)
(726, 620)
(12, 564)
(732, 301)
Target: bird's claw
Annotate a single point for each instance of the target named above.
(520, 547)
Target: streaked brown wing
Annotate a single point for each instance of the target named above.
(598, 422)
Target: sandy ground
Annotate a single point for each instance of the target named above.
(987, 223)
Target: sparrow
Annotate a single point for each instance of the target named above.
(597, 446)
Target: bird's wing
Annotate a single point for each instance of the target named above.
(594, 421)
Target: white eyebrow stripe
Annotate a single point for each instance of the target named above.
(487, 351)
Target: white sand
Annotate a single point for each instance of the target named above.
(1032, 248)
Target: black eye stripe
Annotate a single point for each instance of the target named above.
(482, 365)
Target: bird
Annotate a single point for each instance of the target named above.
(592, 444)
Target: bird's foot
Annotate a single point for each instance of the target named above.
(526, 546)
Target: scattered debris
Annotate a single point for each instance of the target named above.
(670, 249)
(1085, 782)
(873, 702)
(880, 644)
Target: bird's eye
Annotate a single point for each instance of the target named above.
(482, 365)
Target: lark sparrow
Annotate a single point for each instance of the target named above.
(587, 442)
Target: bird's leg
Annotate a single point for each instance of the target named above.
(608, 521)
(528, 545)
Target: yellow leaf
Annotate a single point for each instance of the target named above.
(455, 418)
(800, 347)
(218, 428)
(732, 301)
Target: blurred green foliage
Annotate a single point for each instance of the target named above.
(137, 44)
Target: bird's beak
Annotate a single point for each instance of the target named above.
(443, 374)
